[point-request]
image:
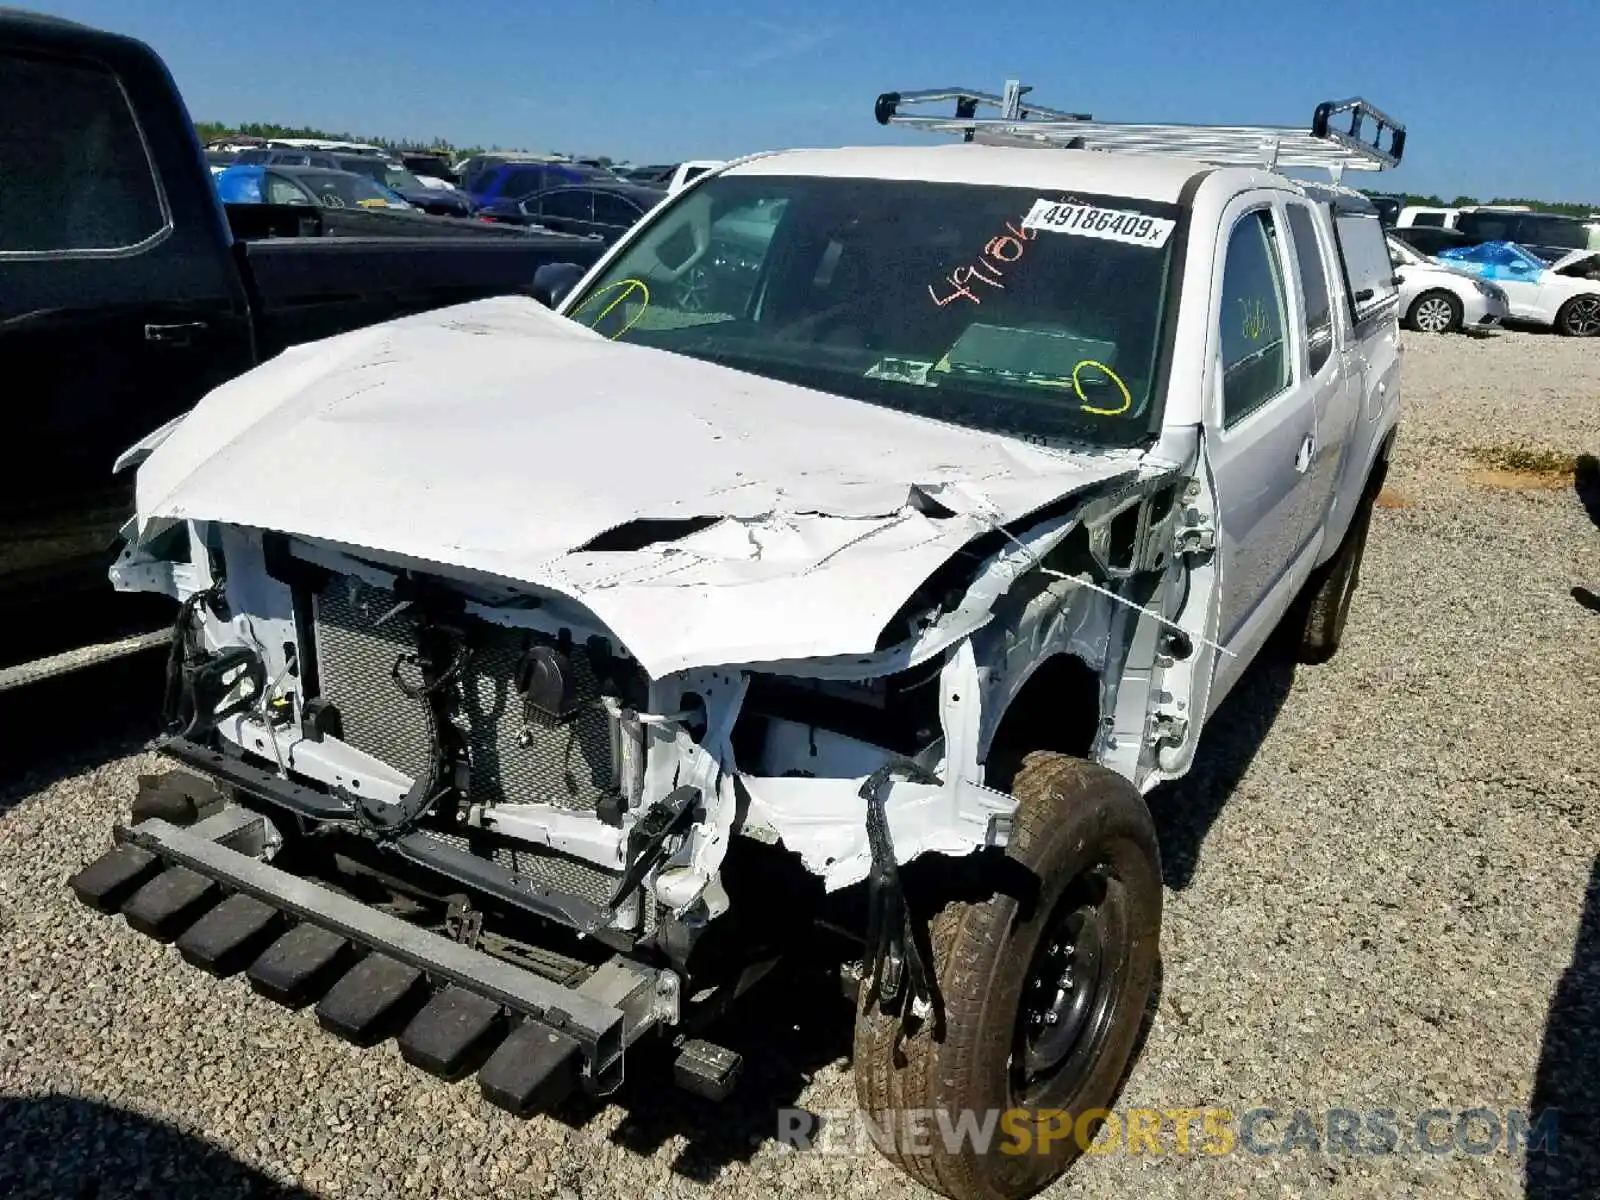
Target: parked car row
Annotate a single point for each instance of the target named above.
(583, 197)
(1548, 235)
(1479, 285)
(127, 292)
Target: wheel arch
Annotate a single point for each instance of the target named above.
(1056, 707)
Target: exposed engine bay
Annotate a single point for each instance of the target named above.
(517, 734)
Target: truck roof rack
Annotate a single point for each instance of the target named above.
(1344, 134)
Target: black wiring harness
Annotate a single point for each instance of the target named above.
(198, 681)
(898, 971)
(442, 656)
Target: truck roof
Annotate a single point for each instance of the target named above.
(1139, 177)
(1160, 178)
(8, 13)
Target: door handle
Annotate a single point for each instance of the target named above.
(1302, 458)
(174, 335)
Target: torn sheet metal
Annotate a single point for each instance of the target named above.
(498, 437)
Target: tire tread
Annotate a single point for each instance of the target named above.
(884, 1088)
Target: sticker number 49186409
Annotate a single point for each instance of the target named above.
(1111, 224)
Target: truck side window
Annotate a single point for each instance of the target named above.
(74, 171)
(1314, 283)
(1364, 250)
(1255, 360)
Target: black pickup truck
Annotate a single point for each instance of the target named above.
(128, 291)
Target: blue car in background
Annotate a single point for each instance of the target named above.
(517, 181)
(446, 202)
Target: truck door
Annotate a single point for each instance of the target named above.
(119, 302)
(1328, 362)
(1369, 315)
(1260, 432)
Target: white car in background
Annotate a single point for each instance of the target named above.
(1564, 294)
(1438, 299)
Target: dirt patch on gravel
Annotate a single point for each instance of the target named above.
(1519, 480)
(1521, 468)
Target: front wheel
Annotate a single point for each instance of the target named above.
(1579, 317)
(1435, 312)
(1044, 995)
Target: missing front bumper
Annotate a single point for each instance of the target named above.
(454, 1009)
(423, 848)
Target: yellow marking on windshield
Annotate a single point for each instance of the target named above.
(625, 289)
(1077, 387)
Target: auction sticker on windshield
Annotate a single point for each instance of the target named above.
(1110, 224)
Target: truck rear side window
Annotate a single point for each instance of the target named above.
(1255, 359)
(1365, 254)
(74, 171)
(1314, 284)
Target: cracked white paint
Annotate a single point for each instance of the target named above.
(499, 438)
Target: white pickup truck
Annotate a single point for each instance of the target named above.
(543, 677)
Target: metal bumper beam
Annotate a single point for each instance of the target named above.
(421, 849)
(598, 1018)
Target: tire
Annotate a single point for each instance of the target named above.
(1323, 607)
(1085, 835)
(1435, 312)
(1579, 317)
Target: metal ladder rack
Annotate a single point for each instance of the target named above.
(1344, 134)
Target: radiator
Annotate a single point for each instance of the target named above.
(566, 763)
(511, 760)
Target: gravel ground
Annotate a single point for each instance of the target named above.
(1377, 880)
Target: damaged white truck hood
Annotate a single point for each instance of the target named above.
(498, 437)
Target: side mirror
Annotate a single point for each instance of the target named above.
(553, 281)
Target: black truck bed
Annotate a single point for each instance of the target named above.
(307, 288)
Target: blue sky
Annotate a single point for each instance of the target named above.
(1498, 97)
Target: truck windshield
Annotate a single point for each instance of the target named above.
(1031, 313)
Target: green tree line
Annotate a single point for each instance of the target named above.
(212, 130)
(1571, 208)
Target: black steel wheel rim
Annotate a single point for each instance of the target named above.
(1069, 998)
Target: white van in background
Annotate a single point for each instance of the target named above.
(1438, 218)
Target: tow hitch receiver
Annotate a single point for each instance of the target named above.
(453, 1008)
